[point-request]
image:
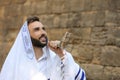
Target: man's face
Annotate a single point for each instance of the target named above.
(38, 34)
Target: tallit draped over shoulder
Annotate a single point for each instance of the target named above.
(21, 47)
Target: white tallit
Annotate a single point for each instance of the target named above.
(21, 64)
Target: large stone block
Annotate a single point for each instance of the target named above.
(94, 72)
(60, 21)
(82, 33)
(99, 5)
(58, 6)
(93, 18)
(47, 20)
(33, 9)
(30, 7)
(63, 21)
(1, 12)
(114, 36)
(82, 54)
(116, 32)
(88, 19)
(74, 20)
(4, 2)
(99, 35)
(114, 4)
(76, 5)
(56, 34)
(111, 17)
(110, 56)
(41, 8)
(100, 19)
(11, 35)
(96, 51)
(112, 73)
(13, 22)
(13, 10)
(87, 5)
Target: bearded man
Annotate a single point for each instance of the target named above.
(33, 57)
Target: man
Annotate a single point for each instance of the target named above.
(33, 57)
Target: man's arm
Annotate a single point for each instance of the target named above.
(70, 69)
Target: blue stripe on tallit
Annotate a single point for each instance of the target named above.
(83, 75)
(77, 74)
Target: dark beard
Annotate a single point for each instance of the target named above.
(37, 43)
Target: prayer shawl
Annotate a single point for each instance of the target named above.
(21, 63)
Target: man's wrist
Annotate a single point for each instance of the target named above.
(63, 57)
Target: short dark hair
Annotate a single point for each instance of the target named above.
(32, 19)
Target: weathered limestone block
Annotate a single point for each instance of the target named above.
(93, 18)
(112, 73)
(40, 8)
(99, 4)
(58, 6)
(4, 2)
(114, 4)
(88, 18)
(58, 33)
(110, 56)
(13, 10)
(13, 22)
(116, 33)
(87, 5)
(76, 5)
(28, 9)
(81, 33)
(82, 53)
(96, 51)
(111, 17)
(99, 35)
(56, 21)
(66, 20)
(114, 37)
(110, 41)
(11, 35)
(74, 19)
(63, 21)
(60, 21)
(100, 18)
(117, 42)
(93, 72)
(47, 20)
(1, 12)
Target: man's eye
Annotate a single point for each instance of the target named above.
(43, 28)
(36, 29)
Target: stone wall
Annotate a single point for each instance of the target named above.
(94, 24)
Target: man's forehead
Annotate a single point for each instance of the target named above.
(35, 24)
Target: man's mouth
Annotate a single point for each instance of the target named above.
(43, 39)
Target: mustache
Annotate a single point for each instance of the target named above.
(43, 35)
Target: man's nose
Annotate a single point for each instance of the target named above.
(43, 32)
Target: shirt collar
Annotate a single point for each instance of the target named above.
(45, 54)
